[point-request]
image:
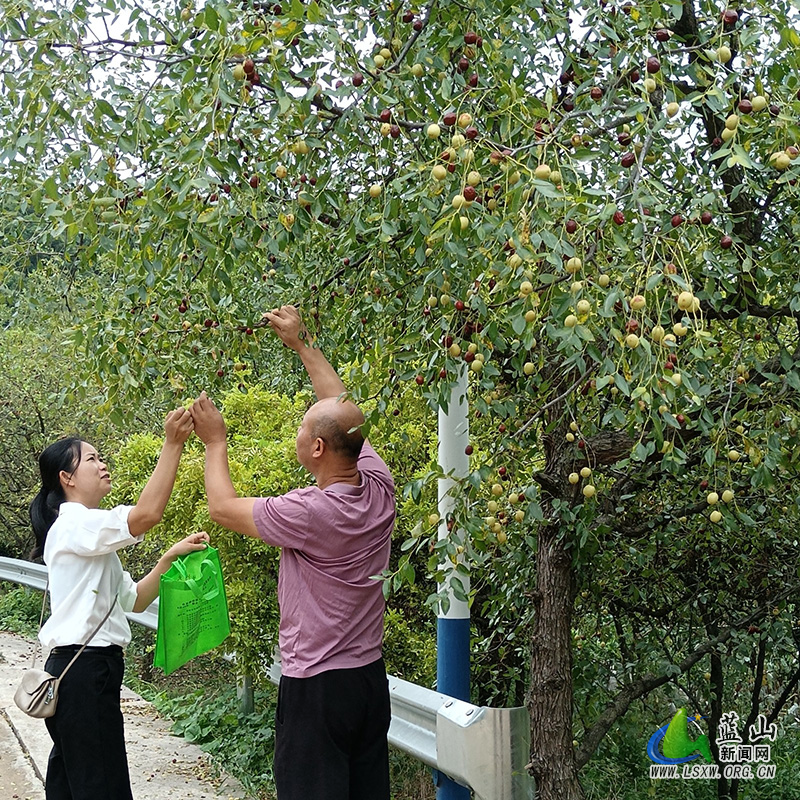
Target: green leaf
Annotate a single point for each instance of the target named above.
(313, 12)
(545, 188)
(210, 17)
(50, 188)
(107, 109)
(641, 451)
(209, 215)
(741, 156)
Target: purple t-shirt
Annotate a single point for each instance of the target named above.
(333, 541)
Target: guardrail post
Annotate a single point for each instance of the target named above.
(452, 655)
(246, 696)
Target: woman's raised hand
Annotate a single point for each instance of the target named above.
(194, 541)
(178, 425)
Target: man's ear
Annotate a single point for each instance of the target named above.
(319, 447)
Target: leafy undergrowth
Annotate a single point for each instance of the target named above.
(241, 745)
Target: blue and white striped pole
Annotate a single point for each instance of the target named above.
(452, 657)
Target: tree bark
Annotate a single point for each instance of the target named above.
(550, 695)
(550, 701)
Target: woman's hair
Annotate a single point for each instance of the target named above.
(63, 455)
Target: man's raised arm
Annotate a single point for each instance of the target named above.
(225, 506)
(286, 322)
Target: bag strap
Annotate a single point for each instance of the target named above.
(41, 619)
(206, 564)
(94, 632)
(44, 600)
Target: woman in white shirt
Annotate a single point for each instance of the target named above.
(79, 543)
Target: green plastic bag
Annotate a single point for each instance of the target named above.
(192, 609)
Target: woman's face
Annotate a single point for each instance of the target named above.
(89, 482)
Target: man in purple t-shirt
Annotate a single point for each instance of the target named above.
(333, 701)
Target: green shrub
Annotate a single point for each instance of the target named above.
(20, 608)
(620, 770)
(262, 428)
(409, 779)
(409, 651)
(36, 408)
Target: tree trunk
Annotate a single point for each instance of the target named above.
(550, 695)
(553, 763)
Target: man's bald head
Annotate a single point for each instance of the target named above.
(338, 423)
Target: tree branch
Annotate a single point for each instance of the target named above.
(646, 684)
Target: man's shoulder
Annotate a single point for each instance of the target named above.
(299, 495)
(369, 456)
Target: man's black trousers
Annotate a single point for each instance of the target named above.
(330, 735)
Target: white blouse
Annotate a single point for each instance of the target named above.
(86, 574)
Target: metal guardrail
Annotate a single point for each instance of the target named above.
(485, 749)
(35, 575)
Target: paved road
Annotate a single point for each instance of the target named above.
(161, 765)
